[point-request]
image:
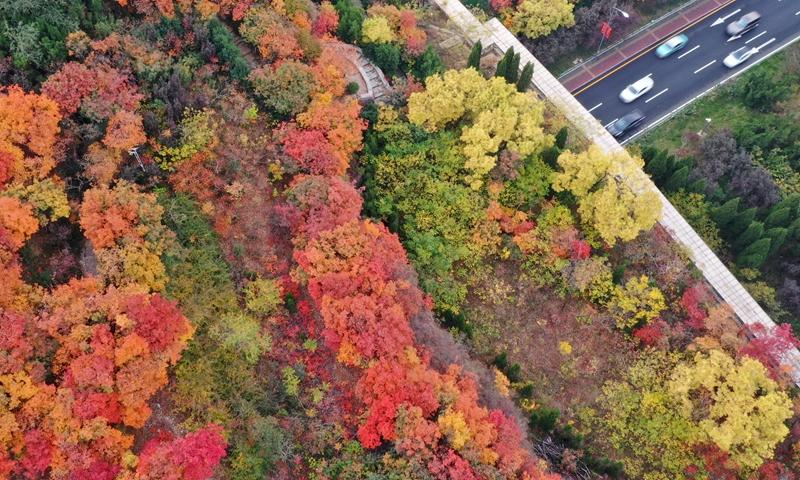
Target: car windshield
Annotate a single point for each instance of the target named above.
(623, 122)
(742, 22)
(674, 42)
(632, 89)
(739, 54)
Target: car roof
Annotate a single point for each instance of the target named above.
(676, 39)
(632, 115)
(642, 82)
(751, 16)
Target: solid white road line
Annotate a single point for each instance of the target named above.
(646, 128)
(609, 123)
(762, 33)
(706, 65)
(765, 44)
(688, 52)
(595, 107)
(656, 95)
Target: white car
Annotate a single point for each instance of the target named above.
(738, 57)
(636, 89)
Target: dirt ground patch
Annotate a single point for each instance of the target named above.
(564, 346)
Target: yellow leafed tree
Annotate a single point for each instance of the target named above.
(377, 30)
(743, 410)
(605, 198)
(535, 18)
(493, 116)
(638, 303)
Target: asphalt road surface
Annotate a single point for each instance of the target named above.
(696, 68)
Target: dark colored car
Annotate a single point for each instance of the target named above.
(748, 22)
(626, 123)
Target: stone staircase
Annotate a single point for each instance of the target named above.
(377, 86)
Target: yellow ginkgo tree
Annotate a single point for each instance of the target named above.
(602, 184)
(743, 410)
(492, 114)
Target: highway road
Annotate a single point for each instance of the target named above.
(694, 70)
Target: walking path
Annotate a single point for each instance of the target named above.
(582, 76)
(718, 276)
(363, 72)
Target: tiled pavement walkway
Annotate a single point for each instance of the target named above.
(718, 276)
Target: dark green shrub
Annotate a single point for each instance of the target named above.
(387, 56)
(352, 88)
(475, 54)
(227, 50)
(544, 419)
(427, 64)
(351, 17)
(754, 255)
(561, 137)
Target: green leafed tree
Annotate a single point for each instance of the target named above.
(741, 222)
(427, 64)
(753, 232)
(754, 255)
(678, 180)
(778, 217)
(351, 17)
(475, 54)
(777, 238)
(725, 213)
(525, 79)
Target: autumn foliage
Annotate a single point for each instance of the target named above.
(28, 130)
(98, 90)
(109, 351)
(192, 457)
(358, 275)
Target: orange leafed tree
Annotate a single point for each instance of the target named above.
(324, 203)
(124, 131)
(351, 271)
(339, 121)
(28, 131)
(357, 274)
(192, 457)
(109, 215)
(83, 371)
(17, 222)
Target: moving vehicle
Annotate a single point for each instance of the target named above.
(636, 89)
(672, 45)
(738, 57)
(748, 22)
(626, 123)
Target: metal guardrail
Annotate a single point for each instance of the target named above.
(631, 35)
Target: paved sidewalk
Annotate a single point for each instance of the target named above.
(716, 274)
(587, 73)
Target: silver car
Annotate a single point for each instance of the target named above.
(636, 89)
(738, 57)
(748, 22)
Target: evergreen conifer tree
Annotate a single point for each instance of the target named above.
(525, 78)
(754, 255)
(750, 235)
(475, 54)
(723, 214)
